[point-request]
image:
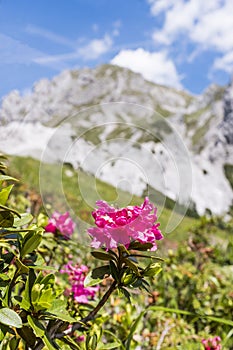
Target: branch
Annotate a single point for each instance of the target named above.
(52, 329)
(92, 314)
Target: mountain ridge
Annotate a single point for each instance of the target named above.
(121, 128)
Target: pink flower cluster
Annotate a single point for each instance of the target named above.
(121, 226)
(77, 276)
(61, 222)
(212, 343)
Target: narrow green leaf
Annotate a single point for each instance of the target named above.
(64, 316)
(90, 281)
(135, 245)
(102, 255)
(114, 271)
(147, 256)
(58, 309)
(132, 330)
(4, 194)
(24, 304)
(11, 210)
(30, 243)
(3, 330)
(72, 344)
(6, 177)
(37, 327)
(131, 265)
(49, 343)
(184, 312)
(152, 270)
(100, 272)
(125, 293)
(6, 218)
(42, 268)
(123, 249)
(109, 346)
(28, 286)
(27, 334)
(21, 267)
(115, 337)
(25, 219)
(10, 318)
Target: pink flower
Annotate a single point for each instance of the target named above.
(121, 226)
(62, 223)
(212, 343)
(77, 275)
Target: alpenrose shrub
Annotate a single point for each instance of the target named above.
(212, 343)
(61, 224)
(122, 226)
(34, 313)
(77, 274)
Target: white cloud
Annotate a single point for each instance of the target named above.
(91, 51)
(158, 6)
(224, 63)
(200, 21)
(15, 51)
(47, 34)
(207, 24)
(95, 48)
(154, 66)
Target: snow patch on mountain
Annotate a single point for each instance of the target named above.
(128, 132)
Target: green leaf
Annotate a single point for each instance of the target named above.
(147, 256)
(152, 270)
(3, 330)
(100, 272)
(24, 304)
(102, 255)
(123, 249)
(90, 281)
(64, 316)
(37, 327)
(30, 243)
(109, 346)
(114, 271)
(125, 293)
(9, 209)
(115, 337)
(42, 268)
(184, 312)
(28, 286)
(132, 330)
(4, 194)
(27, 334)
(58, 309)
(6, 218)
(135, 245)
(25, 219)
(72, 344)
(10, 318)
(128, 278)
(49, 279)
(21, 267)
(48, 343)
(6, 177)
(131, 265)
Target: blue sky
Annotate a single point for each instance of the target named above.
(187, 44)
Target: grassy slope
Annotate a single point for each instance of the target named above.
(48, 183)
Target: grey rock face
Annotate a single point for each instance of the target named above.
(227, 125)
(123, 129)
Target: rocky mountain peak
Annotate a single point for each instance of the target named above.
(227, 125)
(114, 113)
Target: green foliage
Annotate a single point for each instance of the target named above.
(169, 304)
